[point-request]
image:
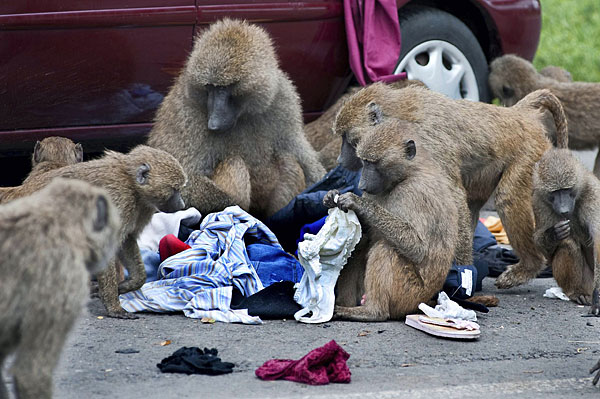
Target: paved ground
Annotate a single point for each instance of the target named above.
(530, 346)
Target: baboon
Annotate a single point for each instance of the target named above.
(511, 78)
(50, 243)
(319, 131)
(556, 73)
(50, 153)
(139, 183)
(480, 147)
(566, 205)
(233, 119)
(408, 211)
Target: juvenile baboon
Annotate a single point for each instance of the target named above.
(480, 147)
(139, 183)
(50, 242)
(556, 73)
(319, 132)
(51, 153)
(233, 120)
(409, 212)
(566, 205)
(511, 78)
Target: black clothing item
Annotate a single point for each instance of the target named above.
(496, 258)
(192, 360)
(272, 303)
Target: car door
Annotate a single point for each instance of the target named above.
(92, 70)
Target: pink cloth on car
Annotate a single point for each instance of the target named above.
(373, 35)
(319, 367)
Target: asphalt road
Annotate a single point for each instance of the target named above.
(530, 346)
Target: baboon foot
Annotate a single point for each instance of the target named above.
(581, 299)
(512, 277)
(121, 314)
(594, 369)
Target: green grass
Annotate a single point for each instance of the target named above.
(571, 38)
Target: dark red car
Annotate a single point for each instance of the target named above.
(96, 71)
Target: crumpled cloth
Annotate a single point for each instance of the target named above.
(199, 281)
(170, 245)
(556, 293)
(323, 256)
(448, 309)
(319, 367)
(193, 360)
(163, 224)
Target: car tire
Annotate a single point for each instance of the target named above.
(425, 30)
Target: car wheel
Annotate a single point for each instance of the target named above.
(439, 50)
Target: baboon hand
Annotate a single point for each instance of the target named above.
(347, 201)
(562, 230)
(330, 198)
(594, 369)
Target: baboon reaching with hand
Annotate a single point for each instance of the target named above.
(480, 147)
(411, 217)
(233, 120)
(566, 204)
(139, 183)
(51, 153)
(512, 78)
(50, 242)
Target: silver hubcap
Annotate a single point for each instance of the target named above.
(443, 68)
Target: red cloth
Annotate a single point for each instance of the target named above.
(319, 367)
(373, 36)
(170, 245)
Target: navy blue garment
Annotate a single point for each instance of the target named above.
(454, 287)
(311, 228)
(482, 238)
(308, 206)
(273, 265)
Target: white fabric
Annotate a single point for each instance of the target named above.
(323, 256)
(448, 309)
(163, 224)
(556, 293)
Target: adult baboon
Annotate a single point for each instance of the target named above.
(566, 205)
(511, 78)
(49, 243)
(139, 183)
(410, 214)
(51, 153)
(481, 147)
(233, 120)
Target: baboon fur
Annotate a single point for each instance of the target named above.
(411, 220)
(50, 242)
(261, 162)
(319, 132)
(139, 183)
(51, 153)
(556, 73)
(574, 256)
(480, 147)
(511, 78)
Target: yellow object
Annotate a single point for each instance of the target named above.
(494, 225)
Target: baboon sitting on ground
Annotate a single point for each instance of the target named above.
(49, 244)
(233, 120)
(566, 204)
(480, 147)
(139, 183)
(512, 78)
(411, 218)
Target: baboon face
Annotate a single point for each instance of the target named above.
(222, 108)
(563, 201)
(511, 78)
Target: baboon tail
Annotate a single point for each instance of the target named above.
(545, 99)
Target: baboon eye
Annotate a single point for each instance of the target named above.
(411, 149)
(507, 91)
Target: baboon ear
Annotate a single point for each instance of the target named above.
(79, 152)
(101, 213)
(142, 174)
(411, 149)
(375, 114)
(37, 152)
